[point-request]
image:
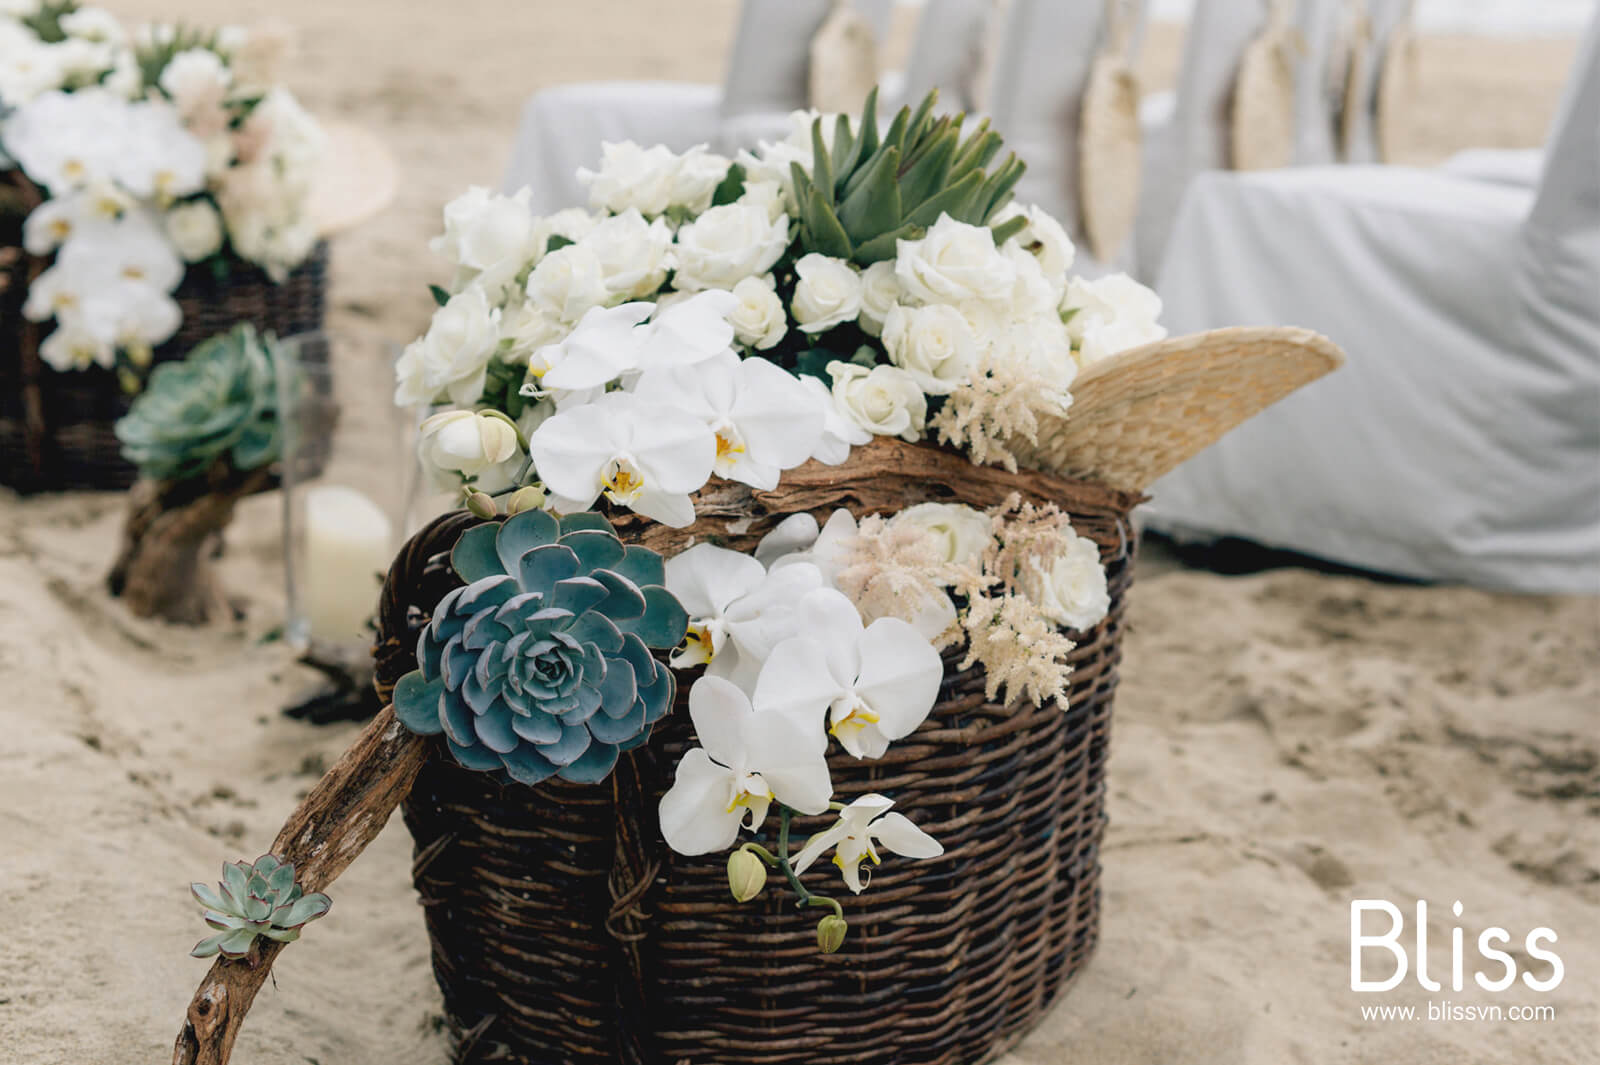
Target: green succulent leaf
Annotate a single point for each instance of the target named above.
(260, 899)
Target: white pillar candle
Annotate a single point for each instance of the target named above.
(348, 546)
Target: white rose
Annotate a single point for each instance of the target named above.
(963, 534)
(467, 443)
(573, 223)
(839, 431)
(487, 236)
(452, 358)
(1072, 592)
(759, 321)
(827, 294)
(1111, 315)
(935, 345)
(633, 253)
(698, 174)
(568, 282)
(954, 263)
(884, 400)
(880, 291)
(1042, 237)
(195, 229)
(1032, 293)
(92, 24)
(198, 82)
(631, 176)
(526, 329)
(728, 244)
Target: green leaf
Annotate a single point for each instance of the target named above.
(978, 151)
(875, 206)
(1004, 231)
(846, 151)
(955, 200)
(997, 190)
(730, 188)
(930, 173)
(440, 296)
(867, 138)
(556, 241)
(821, 228)
(882, 248)
(821, 165)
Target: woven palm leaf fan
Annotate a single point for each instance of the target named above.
(844, 60)
(1110, 143)
(1261, 126)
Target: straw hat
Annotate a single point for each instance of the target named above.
(1261, 127)
(357, 178)
(1144, 411)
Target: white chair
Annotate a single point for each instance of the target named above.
(562, 127)
(1192, 136)
(1318, 24)
(946, 53)
(1461, 441)
(1385, 20)
(1517, 167)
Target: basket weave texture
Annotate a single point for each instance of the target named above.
(564, 930)
(56, 429)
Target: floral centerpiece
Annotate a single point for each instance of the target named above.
(149, 176)
(790, 444)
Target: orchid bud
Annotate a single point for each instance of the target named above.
(831, 932)
(747, 875)
(140, 355)
(481, 504)
(529, 498)
(129, 381)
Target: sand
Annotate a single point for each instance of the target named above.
(1284, 742)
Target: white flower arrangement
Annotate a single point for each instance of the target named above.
(156, 152)
(688, 327)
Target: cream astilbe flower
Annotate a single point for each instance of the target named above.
(1003, 400)
(1017, 648)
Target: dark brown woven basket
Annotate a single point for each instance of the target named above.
(56, 428)
(564, 930)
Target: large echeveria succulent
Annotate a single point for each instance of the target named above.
(541, 666)
(220, 400)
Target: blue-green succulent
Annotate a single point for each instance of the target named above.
(219, 401)
(255, 900)
(541, 666)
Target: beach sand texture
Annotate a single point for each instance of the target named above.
(1284, 742)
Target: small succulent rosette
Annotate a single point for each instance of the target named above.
(542, 664)
(711, 323)
(260, 900)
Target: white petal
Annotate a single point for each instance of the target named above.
(831, 618)
(706, 578)
(899, 677)
(779, 420)
(758, 475)
(850, 855)
(673, 509)
(604, 345)
(794, 533)
(674, 450)
(797, 775)
(570, 450)
(795, 684)
(694, 814)
(691, 331)
(898, 834)
(718, 710)
(864, 810)
(815, 846)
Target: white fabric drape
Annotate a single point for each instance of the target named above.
(946, 51)
(1461, 441)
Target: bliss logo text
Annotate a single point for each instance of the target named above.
(1497, 974)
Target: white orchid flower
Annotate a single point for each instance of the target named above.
(797, 532)
(641, 454)
(610, 343)
(707, 579)
(874, 684)
(746, 760)
(763, 419)
(827, 548)
(863, 827)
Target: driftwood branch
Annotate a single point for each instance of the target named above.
(172, 530)
(344, 812)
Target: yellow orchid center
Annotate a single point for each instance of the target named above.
(133, 272)
(727, 446)
(73, 169)
(857, 719)
(60, 229)
(622, 481)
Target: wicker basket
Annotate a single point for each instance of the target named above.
(565, 931)
(56, 428)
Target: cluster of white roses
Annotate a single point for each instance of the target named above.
(143, 178)
(637, 344)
